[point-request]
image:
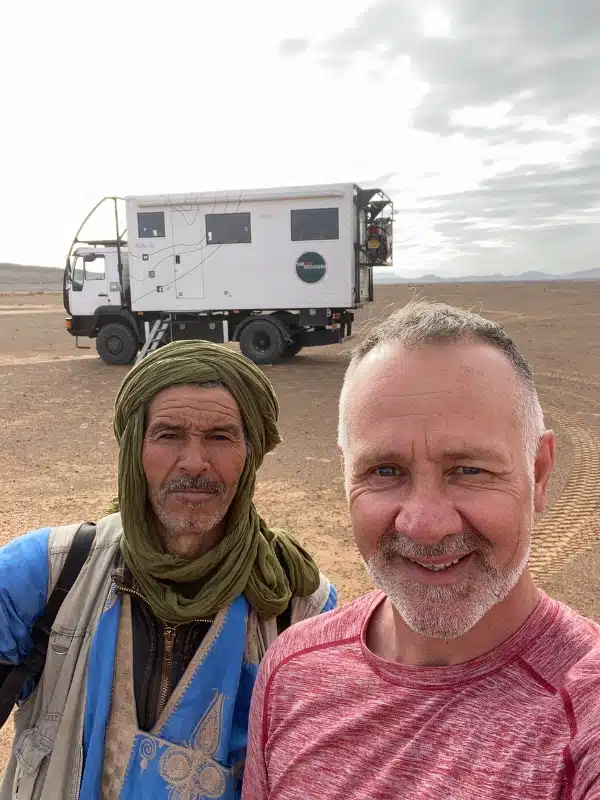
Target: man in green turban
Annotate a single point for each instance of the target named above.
(153, 655)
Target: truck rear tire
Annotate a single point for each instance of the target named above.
(117, 344)
(262, 342)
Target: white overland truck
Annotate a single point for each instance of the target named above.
(273, 269)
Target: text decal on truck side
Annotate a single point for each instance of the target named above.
(311, 267)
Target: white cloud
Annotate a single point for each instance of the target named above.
(451, 107)
(436, 22)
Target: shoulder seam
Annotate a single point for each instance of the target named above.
(286, 660)
(567, 703)
(570, 768)
(535, 675)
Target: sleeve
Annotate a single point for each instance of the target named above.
(593, 793)
(587, 772)
(256, 785)
(24, 574)
(585, 717)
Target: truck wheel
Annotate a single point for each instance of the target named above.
(292, 349)
(262, 342)
(116, 344)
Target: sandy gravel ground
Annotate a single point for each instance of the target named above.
(58, 453)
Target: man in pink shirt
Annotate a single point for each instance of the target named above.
(457, 679)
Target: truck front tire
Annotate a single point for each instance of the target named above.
(117, 344)
(262, 342)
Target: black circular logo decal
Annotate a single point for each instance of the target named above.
(311, 267)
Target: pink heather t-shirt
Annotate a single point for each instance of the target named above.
(332, 721)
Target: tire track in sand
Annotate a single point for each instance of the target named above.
(580, 380)
(572, 524)
(14, 361)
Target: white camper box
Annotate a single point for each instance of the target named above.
(275, 269)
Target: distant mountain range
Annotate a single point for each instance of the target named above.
(583, 275)
(20, 278)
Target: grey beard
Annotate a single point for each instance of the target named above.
(444, 612)
(201, 523)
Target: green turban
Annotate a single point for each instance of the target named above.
(267, 565)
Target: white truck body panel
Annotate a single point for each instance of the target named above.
(176, 268)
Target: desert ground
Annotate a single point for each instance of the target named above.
(58, 453)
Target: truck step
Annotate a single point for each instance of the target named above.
(155, 337)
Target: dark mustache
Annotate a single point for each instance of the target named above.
(398, 544)
(199, 484)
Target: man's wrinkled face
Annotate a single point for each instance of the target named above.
(193, 456)
(441, 493)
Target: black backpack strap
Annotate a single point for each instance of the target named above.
(284, 620)
(76, 558)
(13, 678)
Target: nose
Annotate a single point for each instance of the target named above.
(194, 457)
(427, 515)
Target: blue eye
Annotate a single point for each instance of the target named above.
(387, 472)
(470, 470)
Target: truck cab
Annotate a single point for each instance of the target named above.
(94, 280)
(96, 294)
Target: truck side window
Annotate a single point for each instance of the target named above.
(95, 268)
(228, 228)
(151, 224)
(315, 224)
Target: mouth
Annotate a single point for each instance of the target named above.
(198, 493)
(437, 566)
(436, 569)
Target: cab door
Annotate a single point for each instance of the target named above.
(89, 285)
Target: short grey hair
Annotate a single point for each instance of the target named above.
(420, 323)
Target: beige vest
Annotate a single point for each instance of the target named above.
(46, 756)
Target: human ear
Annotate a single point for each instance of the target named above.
(544, 462)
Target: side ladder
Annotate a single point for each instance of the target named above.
(154, 338)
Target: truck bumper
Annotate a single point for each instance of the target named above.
(81, 326)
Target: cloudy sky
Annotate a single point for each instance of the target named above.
(482, 120)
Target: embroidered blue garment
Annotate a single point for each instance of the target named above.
(197, 747)
(24, 573)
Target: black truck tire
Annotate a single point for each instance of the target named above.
(262, 341)
(117, 344)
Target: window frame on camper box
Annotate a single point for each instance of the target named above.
(233, 218)
(161, 228)
(306, 217)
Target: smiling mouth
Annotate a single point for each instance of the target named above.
(440, 566)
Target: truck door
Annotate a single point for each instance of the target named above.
(89, 286)
(189, 240)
